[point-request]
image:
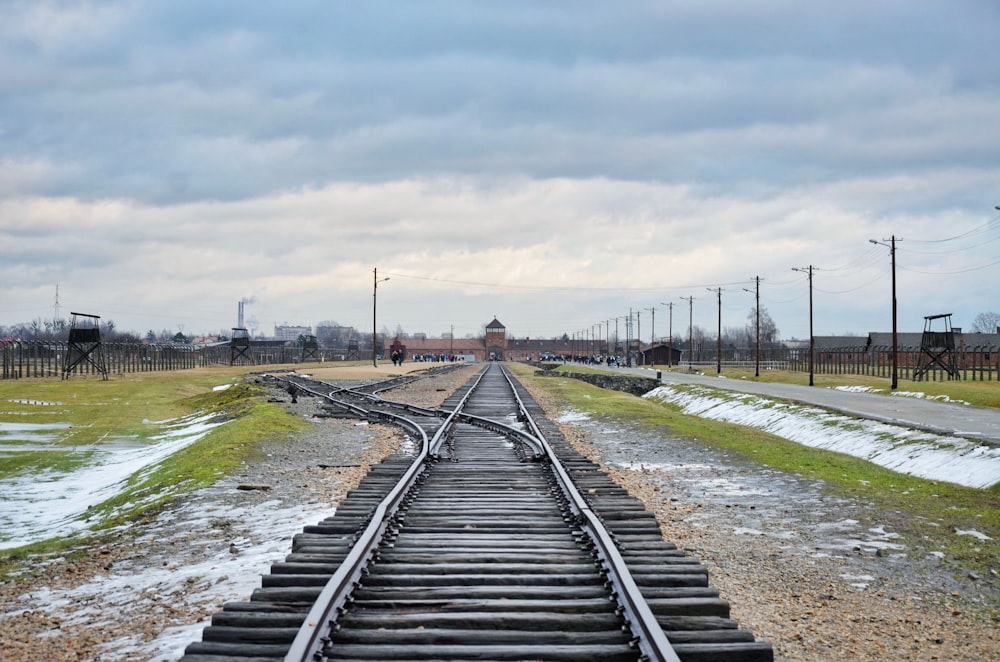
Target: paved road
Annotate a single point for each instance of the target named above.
(929, 415)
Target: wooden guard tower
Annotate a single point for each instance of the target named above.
(353, 348)
(310, 349)
(937, 347)
(85, 345)
(239, 347)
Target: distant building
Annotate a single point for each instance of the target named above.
(287, 332)
(494, 344)
(337, 336)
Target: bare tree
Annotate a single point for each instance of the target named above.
(986, 323)
(737, 336)
(769, 333)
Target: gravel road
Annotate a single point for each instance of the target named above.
(819, 578)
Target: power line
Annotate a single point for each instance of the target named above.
(948, 273)
(982, 229)
(556, 288)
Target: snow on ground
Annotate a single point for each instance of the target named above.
(54, 503)
(923, 396)
(900, 449)
(856, 389)
(228, 568)
(901, 394)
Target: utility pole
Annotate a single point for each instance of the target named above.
(628, 339)
(718, 338)
(809, 270)
(374, 318)
(690, 301)
(670, 339)
(652, 335)
(756, 372)
(638, 338)
(895, 353)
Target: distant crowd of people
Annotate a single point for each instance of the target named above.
(610, 361)
(397, 358)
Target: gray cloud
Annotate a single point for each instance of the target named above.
(283, 151)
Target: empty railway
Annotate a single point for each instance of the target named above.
(494, 541)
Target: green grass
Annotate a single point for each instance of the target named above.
(110, 410)
(204, 462)
(923, 512)
(100, 412)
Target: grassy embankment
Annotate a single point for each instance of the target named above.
(927, 512)
(106, 412)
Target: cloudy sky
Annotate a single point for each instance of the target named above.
(554, 164)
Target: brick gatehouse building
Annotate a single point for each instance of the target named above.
(494, 344)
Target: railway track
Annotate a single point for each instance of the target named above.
(496, 541)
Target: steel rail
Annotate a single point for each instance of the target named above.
(312, 636)
(650, 639)
(480, 421)
(652, 644)
(337, 594)
(357, 392)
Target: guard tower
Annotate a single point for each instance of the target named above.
(310, 349)
(85, 345)
(353, 350)
(937, 347)
(239, 347)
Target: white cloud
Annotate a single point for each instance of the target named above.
(154, 153)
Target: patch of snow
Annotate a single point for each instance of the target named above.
(54, 503)
(858, 581)
(935, 457)
(856, 389)
(842, 525)
(35, 433)
(880, 531)
(511, 421)
(923, 396)
(221, 387)
(974, 534)
(572, 416)
(747, 531)
(219, 576)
